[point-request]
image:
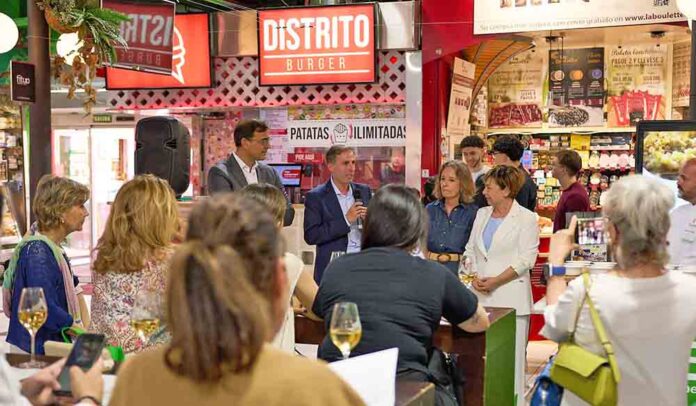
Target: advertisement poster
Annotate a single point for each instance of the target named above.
(515, 92)
(190, 63)
(460, 98)
(501, 16)
(681, 71)
(277, 122)
(355, 133)
(576, 87)
(149, 35)
(637, 84)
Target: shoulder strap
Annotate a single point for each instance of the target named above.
(599, 327)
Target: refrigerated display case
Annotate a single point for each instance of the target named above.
(662, 147)
(102, 159)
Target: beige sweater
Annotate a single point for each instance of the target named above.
(277, 378)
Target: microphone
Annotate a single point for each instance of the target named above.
(358, 199)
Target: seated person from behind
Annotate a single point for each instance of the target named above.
(227, 297)
(401, 298)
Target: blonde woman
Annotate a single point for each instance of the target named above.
(300, 283)
(452, 215)
(39, 261)
(132, 254)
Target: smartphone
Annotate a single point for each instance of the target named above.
(591, 237)
(85, 352)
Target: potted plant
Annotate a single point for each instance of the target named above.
(98, 30)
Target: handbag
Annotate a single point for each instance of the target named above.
(591, 377)
(116, 352)
(546, 392)
(443, 372)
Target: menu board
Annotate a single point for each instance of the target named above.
(460, 97)
(637, 84)
(681, 71)
(576, 87)
(515, 92)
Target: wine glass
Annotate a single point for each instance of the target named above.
(336, 254)
(345, 329)
(32, 314)
(146, 313)
(467, 272)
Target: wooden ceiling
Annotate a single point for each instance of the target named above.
(489, 55)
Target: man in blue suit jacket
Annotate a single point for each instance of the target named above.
(334, 210)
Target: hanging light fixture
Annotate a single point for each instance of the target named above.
(68, 46)
(688, 8)
(9, 33)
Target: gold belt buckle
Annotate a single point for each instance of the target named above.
(441, 256)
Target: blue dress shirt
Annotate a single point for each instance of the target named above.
(346, 202)
(449, 234)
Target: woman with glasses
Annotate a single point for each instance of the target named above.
(503, 248)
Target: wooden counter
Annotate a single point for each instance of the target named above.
(486, 360)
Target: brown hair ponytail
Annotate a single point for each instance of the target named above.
(213, 312)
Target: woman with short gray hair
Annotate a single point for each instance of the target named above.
(646, 310)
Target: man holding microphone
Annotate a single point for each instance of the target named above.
(334, 211)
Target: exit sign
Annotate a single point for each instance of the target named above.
(101, 118)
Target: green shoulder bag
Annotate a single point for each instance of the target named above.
(591, 377)
(116, 352)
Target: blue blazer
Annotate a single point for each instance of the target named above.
(324, 223)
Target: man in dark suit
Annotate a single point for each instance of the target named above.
(243, 166)
(508, 150)
(334, 211)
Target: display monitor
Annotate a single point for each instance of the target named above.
(290, 174)
(662, 147)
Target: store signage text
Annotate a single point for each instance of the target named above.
(317, 45)
(325, 133)
(23, 88)
(190, 63)
(149, 34)
(506, 16)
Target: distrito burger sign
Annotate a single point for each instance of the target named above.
(313, 45)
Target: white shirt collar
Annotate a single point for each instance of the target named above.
(243, 165)
(338, 192)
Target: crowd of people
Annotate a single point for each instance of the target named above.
(227, 279)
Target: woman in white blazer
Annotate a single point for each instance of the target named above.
(503, 247)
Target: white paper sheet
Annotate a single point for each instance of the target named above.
(372, 376)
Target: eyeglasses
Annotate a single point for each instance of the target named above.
(263, 141)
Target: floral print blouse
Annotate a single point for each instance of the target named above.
(113, 299)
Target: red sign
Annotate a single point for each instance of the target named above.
(149, 35)
(291, 174)
(190, 62)
(314, 45)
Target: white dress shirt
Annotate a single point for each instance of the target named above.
(682, 236)
(249, 173)
(650, 323)
(346, 202)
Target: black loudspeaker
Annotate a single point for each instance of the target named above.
(162, 148)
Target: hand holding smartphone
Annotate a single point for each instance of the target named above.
(85, 352)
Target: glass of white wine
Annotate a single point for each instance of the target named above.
(32, 314)
(467, 272)
(146, 313)
(345, 329)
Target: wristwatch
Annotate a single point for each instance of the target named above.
(552, 270)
